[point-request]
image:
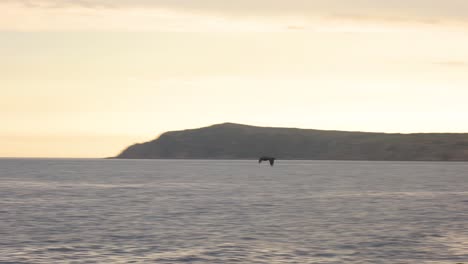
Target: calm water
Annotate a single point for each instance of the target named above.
(150, 211)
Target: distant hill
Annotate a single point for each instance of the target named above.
(235, 141)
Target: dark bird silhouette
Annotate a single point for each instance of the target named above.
(265, 158)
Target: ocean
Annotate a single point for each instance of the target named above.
(230, 211)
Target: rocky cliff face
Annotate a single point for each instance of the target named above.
(234, 141)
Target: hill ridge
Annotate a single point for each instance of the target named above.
(238, 141)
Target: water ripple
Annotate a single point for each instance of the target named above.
(99, 211)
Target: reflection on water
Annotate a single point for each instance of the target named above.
(139, 211)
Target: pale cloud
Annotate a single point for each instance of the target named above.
(57, 17)
(415, 8)
(239, 15)
(419, 9)
(452, 63)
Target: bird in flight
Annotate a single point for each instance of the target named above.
(265, 158)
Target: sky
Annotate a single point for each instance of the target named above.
(86, 78)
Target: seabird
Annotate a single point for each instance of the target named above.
(265, 158)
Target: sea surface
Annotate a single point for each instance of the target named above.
(201, 211)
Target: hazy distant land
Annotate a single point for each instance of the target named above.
(235, 141)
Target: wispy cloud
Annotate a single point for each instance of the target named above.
(263, 15)
(415, 8)
(452, 63)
